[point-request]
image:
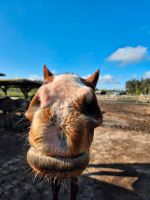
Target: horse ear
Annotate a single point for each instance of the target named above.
(93, 79)
(46, 72)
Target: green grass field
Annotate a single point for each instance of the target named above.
(16, 92)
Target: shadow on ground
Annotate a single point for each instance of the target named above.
(106, 191)
(16, 184)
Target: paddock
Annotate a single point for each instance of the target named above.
(119, 166)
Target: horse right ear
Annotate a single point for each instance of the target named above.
(93, 79)
(46, 73)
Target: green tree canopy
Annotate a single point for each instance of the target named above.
(138, 86)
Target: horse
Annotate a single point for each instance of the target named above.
(8, 109)
(63, 115)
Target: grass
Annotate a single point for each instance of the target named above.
(16, 92)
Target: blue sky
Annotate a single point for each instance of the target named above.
(76, 36)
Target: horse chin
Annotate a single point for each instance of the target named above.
(54, 166)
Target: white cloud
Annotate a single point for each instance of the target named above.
(108, 79)
(129, 54)
(86, 76)
(53, 71)
(35, 77)
(146, 75)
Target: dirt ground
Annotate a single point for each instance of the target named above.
(119, 167)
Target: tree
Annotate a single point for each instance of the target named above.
(137, 87)
(145, 86)
(133, 86)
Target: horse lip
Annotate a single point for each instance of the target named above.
(50, 165)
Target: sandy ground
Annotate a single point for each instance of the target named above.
(119, 167)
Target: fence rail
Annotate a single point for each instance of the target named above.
(125, 98)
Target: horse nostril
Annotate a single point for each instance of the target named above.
(59, 129)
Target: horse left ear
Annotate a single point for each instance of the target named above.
(93, 79)
(46, 72)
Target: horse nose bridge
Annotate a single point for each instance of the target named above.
(62, 106)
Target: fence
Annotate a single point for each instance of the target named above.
(125, 98)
